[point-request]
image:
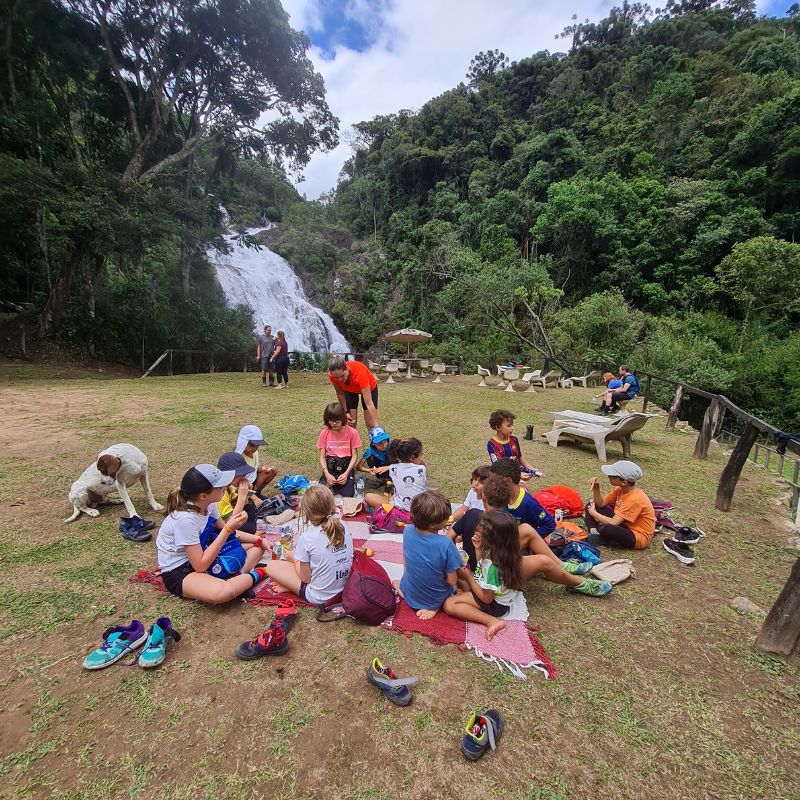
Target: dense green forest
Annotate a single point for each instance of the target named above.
(635, 198)
(122, 129)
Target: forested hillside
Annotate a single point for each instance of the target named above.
(637, 198)
(123, 127)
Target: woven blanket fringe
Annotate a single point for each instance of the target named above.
(515, 669)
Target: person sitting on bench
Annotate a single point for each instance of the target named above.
(628, 390)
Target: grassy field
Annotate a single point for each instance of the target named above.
(660, 691)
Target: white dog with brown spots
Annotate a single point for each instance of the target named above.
(116, 468)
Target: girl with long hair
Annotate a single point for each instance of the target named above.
(318, 568)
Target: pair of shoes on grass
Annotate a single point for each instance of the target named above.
(122, 640)
(274, 641)
(136, 529)
(482, 731)
(680, 543)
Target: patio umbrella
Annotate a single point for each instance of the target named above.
(407, 336)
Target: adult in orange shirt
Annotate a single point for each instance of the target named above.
(625, 516)
(353, 380)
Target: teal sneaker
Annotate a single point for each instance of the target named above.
(575, 567)
(117, 643)
(592, 587)
(156, 648)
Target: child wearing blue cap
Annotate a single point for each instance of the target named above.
(375, 461)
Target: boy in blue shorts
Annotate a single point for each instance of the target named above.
(430, 560)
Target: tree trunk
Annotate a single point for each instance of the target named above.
(781, 630)
(733, 469)
(187, 246)
(710, 421)
(675, 409)
(54, 307)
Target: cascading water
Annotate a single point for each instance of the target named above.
(266, 283)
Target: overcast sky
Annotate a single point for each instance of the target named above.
(378, 56)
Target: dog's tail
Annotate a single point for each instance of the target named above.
(75, 514)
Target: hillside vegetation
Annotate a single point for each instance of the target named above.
(636, 198)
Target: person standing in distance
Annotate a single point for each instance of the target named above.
(264, 348)
(352, 381)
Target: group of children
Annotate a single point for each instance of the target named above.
(209, 548)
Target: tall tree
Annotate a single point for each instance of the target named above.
(189, 71)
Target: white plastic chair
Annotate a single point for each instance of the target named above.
(528, 377)
(391, 369)
(509, 376)
(583, 380)
(484, 373)
(438, 370)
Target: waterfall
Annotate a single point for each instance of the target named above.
(260, 279)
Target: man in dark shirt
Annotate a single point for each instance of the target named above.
(264, 348)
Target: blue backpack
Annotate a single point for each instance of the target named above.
(581, 551)
(231, 557)
(289, 484)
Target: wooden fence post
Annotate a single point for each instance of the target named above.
(171, 371)
(733, 469)
(646, 398)
(710, 421)
(780, 632)
(675, 408)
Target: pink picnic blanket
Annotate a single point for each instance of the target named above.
(515, 648)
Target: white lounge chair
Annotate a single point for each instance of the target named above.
(509, 376)
(528, 377)
(620, 432)
(438, 370)
(550, 378)
(484, 373)
(583, 380)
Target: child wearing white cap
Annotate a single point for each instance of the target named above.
(248, 441)
(192, 543)
(625, 516)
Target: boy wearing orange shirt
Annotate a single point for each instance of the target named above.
(625, 516)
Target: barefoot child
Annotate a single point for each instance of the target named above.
(490, 591)
(474, 498)
(190, 515)
(338, 445)
(497, 493)
(320, 565)
(430, 560)
(505, 445)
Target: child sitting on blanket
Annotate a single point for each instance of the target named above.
(487, 595)
(497, 493)
(523, 505)
(189, 520)
(505, 445)
(318, 568)
(248, 441)
(474, 498)
(239, 495)
(338, 445)
(430, 560)
(375, 461)
(409, 476)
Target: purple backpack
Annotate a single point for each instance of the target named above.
(663, 519)
(368, 595)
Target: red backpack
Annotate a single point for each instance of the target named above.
(368, 595)
(552, 498)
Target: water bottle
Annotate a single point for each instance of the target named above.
(559, 515)
(529, 432)
(360, 486)
(337, 499)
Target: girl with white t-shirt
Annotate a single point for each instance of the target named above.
(184, 564)
(318, 568)
(408, 474)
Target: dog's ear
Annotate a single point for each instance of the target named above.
(108, 465)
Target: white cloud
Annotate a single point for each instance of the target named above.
(423, 48)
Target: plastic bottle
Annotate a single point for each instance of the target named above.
(337, 499)
(559, 515)
(360, 486)
(277, 550)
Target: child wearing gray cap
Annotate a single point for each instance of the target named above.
(625, 516)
